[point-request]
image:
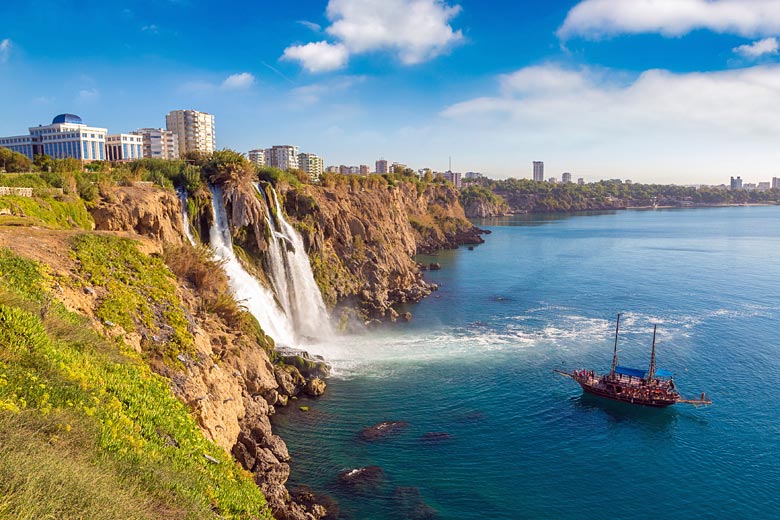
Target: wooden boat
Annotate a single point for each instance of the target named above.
(652, 387)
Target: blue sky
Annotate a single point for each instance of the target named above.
(681, 91)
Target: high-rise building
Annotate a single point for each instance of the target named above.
(566, 177)
(397, 167)
(453, 177)
(311, 164)
(159, 143)
(284, 157)
(332, 169)
(736, 183)
(66, 136)
(538, 171)
(365, 169)
(344, 170)
(580, 181)
(195, 130)
(381, 166)
(124, 147)
(775, 183)
(257, 157)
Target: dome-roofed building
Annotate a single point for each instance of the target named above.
(67, 118)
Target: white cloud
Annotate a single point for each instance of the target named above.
(153, 29)
(414, 30)
(758, 48)
(5, 50)
(238, 81)
(313, 93)
(671, 124)
(310, 25)
(318, 56)
(599, 18)
(88, 95)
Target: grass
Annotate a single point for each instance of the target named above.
(89, 431)
(49, 212)
(140, 292)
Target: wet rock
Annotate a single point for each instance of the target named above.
(434, 266)
(315, 387)
(361, 479)
(318, 504)
(308, 366)
(289, 380)
(382, 430)
(435, 436)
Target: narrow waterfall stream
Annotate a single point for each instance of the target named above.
(291, 274)
(185, 217)
(249, 292)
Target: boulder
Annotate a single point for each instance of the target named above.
(315, 387)
(361, 479)
(434, 266)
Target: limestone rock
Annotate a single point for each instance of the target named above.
(315, 387)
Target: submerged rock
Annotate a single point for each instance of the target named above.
(382, 429)
(436, 436)
(411, 505)
(434, 266)
(361, 478)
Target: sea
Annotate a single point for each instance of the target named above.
(493, 433)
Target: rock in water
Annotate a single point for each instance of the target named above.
(411, 504)
(382, 429)
(361, 479)
(435, 436)
(315, 387)
(434, 266)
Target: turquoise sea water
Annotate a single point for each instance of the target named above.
(543, 291)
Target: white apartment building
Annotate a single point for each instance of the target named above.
(284, 157)
(159, 143)
(381, 166)
(66, 136)
(332, 169)
(566, 177)
(365, 169)
(195, 130)
(257, 157)
(311, 164)
(124, 147)
(538, 171)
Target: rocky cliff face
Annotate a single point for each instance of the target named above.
(145, 210)
(363, 233)
(483, 208)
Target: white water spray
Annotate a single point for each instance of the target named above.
(291, 274)
(247, 289)
(185, 217)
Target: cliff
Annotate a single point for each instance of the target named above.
(480, 202)
(362, 234)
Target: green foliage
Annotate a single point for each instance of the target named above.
(476, 192)
(89, 431)
(227, 166)
(67, 213)
(276, 176)
(25, 180)
(14, 161)
(140, 291)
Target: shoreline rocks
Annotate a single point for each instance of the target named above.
(382, 429)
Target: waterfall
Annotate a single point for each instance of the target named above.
(185, 217)
(247, 289)
(291, 275)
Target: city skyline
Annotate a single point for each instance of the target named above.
(598, 88)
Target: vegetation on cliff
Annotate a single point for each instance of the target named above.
(531, 196)
(89, 430)
(478, 201)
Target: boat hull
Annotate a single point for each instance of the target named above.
(653, 403)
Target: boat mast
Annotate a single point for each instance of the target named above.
(651, 372)
(614, 355)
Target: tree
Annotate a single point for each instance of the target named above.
(13, 162)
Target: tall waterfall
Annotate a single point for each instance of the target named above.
(185, 217)
(247, 289)
(291, 275)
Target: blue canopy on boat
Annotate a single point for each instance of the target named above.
(636, 372)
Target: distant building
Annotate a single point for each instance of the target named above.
(397, 166)
(365, 169)
(66, 136)
(159, 143)
(124, 147)
(472, 175)
(195, 130)
(284, 157)
(453, 177)
(763, 186)
(332, 169)
(775, 183)
(581, 181)
(311, 164)
(539, 171)
(552, 180)
(566, 177)
(257, 156)
(736, 183)
(381, 166)
(749, 186)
